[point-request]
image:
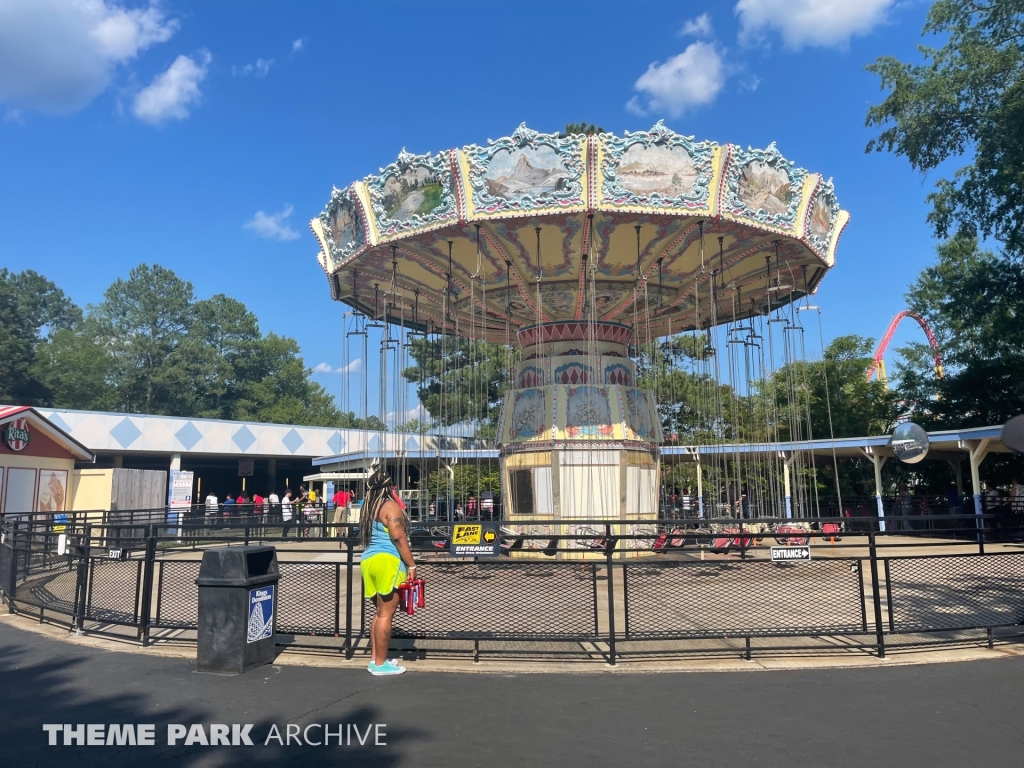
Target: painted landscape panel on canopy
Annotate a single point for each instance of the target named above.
(823, 217)
(343, 225)
(668, 171)
(415, 191)
(763, 187)
(525, 172)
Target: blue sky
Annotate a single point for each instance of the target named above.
(204, 135)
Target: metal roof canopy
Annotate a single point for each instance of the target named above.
(943, 445)
(320, 477)
(360, 459)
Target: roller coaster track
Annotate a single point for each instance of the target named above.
(877, 361)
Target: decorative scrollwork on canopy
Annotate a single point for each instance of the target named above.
(822, 217)
(657, 169)
(526, 171)
(413, 193)
(763, 186)
(343, 225)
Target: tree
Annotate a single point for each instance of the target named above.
(224, 340)
(966, 99)
(32, 309)
(588, 129)
(151, 347)
(144, 320)
(974, 302)
(464, 385)
(76, 368)
(414, 426)
(281, 391)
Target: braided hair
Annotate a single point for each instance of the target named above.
(379, 489)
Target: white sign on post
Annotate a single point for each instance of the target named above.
(179, 496)
(791, 554)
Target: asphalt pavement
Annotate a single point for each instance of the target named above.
(953, 714)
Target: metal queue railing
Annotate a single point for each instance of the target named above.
(622, 589)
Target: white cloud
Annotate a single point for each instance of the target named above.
(750, 82)
(419, 412)
(297, 45)
(699, 27)
(56, 56)
(802, 23)
(691, 79)
(353, 367)
(260, 68)
(172, 92)
(273, 226)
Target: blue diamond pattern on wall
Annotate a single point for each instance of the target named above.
(336, 443)
(374, 444)
(412, 444)
(125, 432)
(188, 435)
(292, 441)
(58, 422)
(244, 439)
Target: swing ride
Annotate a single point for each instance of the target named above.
(604, 268)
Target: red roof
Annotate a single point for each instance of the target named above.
(11, 412)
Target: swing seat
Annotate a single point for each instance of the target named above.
(660, 542)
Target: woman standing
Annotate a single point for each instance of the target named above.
(386, 563)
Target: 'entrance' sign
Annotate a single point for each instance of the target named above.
(791, 554)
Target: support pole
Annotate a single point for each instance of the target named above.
(700, 490)
(977, 453)
(878, 461)
(786, 484)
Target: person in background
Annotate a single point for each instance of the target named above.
(228, 508)
(212, 506)
(341, 500)
(953, 500)
(242, 505)
(687, 502)
(471, 507)
(287, 513)
(309, 511)
(258, 509)
(487, 504)
(274, 506)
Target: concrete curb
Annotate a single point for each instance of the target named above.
(303, 658)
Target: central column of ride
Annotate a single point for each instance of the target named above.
(579, 441)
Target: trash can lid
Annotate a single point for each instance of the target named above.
(238, 566)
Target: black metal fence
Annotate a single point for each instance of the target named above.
(636, 589)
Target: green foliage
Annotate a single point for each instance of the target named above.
(414, 426)
(151, 347)
(464, 385)
(967, 98)
(470, 480)
(587, 129)
(974, 302)
(31, 309)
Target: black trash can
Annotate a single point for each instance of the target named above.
(237, 609)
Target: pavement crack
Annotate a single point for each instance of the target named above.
(338, 701)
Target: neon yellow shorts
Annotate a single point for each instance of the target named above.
(382, 573)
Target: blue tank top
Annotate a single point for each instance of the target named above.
(380, 542)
